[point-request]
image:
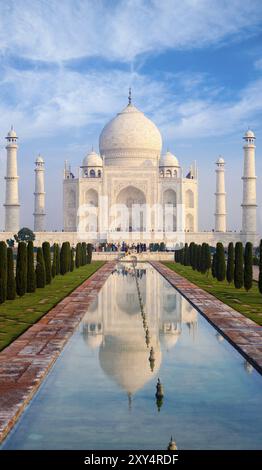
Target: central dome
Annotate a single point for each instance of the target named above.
(130, 139)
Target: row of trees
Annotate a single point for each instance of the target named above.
(237, 267)
(27, 275)
(196, 256)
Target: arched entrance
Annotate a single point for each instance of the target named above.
(91, 201)
(133, 199)
(169, 207)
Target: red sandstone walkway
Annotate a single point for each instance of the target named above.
(243, 333)
(25, 363)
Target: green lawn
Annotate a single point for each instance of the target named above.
(18, 315)
(248, 303)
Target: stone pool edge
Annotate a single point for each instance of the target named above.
(26, 361)
(244, 334)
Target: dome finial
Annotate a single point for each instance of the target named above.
(130, 96)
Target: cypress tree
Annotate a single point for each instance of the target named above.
(207, 257)
(57, 259)
(21, 269)
(214, 266)
(68, 256)
(84, 254)
(194, 257)
(63, 259)
(239, 271)
(260, 268)
(230, 262)
(54, 260)
(191, 250)
(203, 258)
(248, 266)
(78, 260)
(40, 269)
(198, 258)
(220, 262)
(47, 261)
(3, 272)
(186, 255)
(72, 262)
(10, 291)
(31, 281)
(182, 256)
(89, 252)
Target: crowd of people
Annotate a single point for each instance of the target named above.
(126, 247)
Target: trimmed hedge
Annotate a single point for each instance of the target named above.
(31, 280)
(11, 287)
(40, 269)
(220, 262)
(248, 266)
(239, 269)
(47, 261)
(230, 262)
(3, 272)
(21, 269)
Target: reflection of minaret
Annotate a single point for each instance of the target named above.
(39, 214)
(12, 206)
(248, 367)
(129, 401)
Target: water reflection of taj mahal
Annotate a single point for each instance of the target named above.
(113, 324)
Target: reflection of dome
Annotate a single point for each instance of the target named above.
(93, 341)
(92, 159)
(220, 160)
(127, 362)
(168, 159)
(130, 135)
(169, 340)
(189, 314)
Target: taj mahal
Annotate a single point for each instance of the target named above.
(131, 172)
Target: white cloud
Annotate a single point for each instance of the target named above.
(52, 102)
(59, 31)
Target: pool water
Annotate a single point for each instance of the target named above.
(100, 394)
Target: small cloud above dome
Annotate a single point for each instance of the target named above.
(92, 159)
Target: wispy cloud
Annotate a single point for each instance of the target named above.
(51, 102)
(58, 31)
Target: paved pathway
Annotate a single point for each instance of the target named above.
(25, 363)
(243, 333)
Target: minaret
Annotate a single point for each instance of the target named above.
(12, 206)
(39, 214)
(220, 214)
(249, 204)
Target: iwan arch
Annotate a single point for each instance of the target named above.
(132, 191)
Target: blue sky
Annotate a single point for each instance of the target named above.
(195, 68)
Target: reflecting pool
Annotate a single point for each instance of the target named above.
(100, 393)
